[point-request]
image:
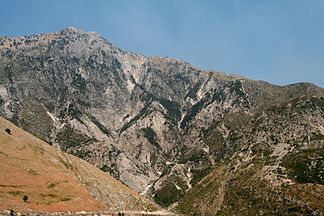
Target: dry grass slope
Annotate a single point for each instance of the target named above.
(55, 181)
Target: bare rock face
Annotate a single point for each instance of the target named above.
(154, 123)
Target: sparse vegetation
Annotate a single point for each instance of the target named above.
(32, 172)
(142, 113)
(194, 111)
(306, 166)
(151, 137)
(192, 93)
(15, 193)
(171, 192)
(173, 109)
(100, 126)
(71, 138)
(198, 174)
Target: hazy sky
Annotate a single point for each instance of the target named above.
(280, 41)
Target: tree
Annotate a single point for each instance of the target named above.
(25, 198)
(8, 131)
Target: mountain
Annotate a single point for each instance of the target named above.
(54, 181)
(159, 125)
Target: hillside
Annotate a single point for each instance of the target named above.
(157, 124)
(55, 181)
(277, 168)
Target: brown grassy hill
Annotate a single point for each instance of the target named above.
(55, 181)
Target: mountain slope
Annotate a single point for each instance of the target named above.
(157, 124)
(55, 181)
(276, 169)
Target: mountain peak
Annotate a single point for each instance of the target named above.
(74, 30)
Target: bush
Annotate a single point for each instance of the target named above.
(8, 131)
(25, 198)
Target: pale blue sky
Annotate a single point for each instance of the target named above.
(280, 41)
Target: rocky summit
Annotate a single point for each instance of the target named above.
(200, 142)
